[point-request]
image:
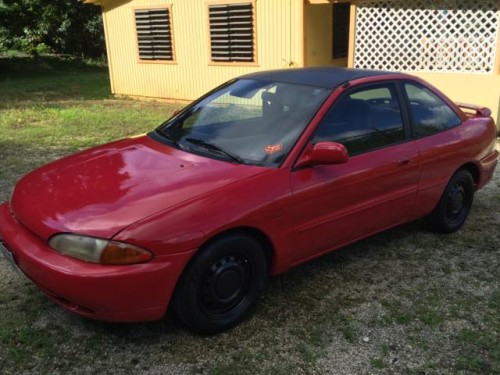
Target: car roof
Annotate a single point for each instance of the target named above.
(325, 77)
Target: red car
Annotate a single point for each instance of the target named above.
(263, 173)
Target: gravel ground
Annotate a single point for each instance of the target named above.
(405, 301)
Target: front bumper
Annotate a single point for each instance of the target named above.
(112, 293)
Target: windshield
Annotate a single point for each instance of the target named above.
(246, 121)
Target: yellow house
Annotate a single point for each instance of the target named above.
(179, 49)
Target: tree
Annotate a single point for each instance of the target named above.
(62, 26)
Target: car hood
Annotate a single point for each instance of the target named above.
(100, 191)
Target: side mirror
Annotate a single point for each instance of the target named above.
(323, 153)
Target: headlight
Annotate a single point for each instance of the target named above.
(97, 250)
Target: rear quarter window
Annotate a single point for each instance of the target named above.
(429, 114)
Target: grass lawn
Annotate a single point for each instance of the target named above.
(51, 108)
(403, 302)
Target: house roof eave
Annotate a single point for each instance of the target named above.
(328, 1)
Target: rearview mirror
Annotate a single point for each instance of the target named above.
(323, 153)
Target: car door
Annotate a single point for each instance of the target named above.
(337, 204)
(438, 137)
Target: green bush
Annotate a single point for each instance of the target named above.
(43, 26)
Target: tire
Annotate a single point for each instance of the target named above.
(454, 205)
(221, 284)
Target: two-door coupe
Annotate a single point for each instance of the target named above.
(264, 173)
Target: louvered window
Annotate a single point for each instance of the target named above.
(154, 34)
(232, 32)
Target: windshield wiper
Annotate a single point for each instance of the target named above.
(214, 147)
(171, 138)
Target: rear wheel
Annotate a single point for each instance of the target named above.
(221, 284)
(454, 205)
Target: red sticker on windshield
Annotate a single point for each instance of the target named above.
(271, 149)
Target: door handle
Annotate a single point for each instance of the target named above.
(403, 162)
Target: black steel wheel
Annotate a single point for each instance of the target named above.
(221, 284)
(454, 205)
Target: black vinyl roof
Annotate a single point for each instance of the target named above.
(325, 77)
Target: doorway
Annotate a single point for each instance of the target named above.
(327, 34)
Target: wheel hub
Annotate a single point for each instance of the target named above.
(225, 284)
(456, 200)
(228, 284)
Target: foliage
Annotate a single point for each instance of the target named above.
(42, 26)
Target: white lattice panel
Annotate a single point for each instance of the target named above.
(424, 35)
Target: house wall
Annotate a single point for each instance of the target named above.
(279, 43)
(288, 33)
(318, 34)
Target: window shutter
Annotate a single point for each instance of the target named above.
(232, 32)
(154, 34)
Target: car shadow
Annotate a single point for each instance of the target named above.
(288, 295)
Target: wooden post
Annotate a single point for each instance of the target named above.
(352, 36)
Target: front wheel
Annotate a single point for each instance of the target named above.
(221, 284)
(454, 205)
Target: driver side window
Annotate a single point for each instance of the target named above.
(363, 120)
